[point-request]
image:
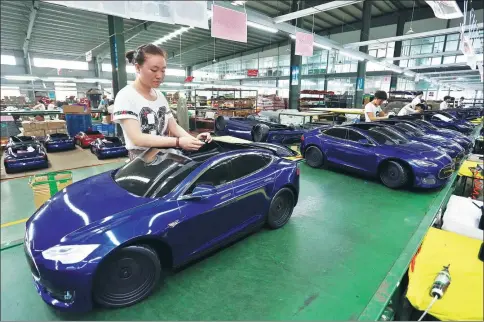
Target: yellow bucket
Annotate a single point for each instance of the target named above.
(45, 185)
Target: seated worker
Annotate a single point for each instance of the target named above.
(407, 109)
(373, 111)
(444, 105)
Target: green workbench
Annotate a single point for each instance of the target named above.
(339, 258)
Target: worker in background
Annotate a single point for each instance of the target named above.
(460, 104)
(408, 110)
(143, 111)
(445, 103)
(373, 111)
(417, 99)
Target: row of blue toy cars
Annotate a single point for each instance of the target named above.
(23, 153)
(420, 150)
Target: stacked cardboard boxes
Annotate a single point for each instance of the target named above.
(33, 128)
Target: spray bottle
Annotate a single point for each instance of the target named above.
(440, 285)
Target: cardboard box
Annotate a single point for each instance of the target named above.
(50, 131)
(45, 185)
(76, 109)
(62, 131)
(27, 125)
(41, 126)
(56, 124)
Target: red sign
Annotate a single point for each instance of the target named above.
(253, 72)
(189, 79)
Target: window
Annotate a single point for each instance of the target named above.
(409, 129)
(108, 68)
(355, 136)
(8, 60)
(141, 175)
(336, 132)
(60, 64)
(217, 175)
(247, 164)
(380, 138)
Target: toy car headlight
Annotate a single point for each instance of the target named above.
(69, 254)
(424, 163)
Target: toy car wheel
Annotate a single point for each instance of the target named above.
(260, 132)
(314, 157)
(281, 208)
(220, 123)
(92, 150)
(394, 175)
(127, 277)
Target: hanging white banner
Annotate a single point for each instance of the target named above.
(194, 15)
(445, 9)
(159, 11)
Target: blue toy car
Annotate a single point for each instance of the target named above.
(110, 245)
(397, 161)
(259, 129)
(444, 120)
(411, 132)
(108, 147)
(429, 128)
(24, 156)
(59, 142)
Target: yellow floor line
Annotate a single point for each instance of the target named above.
(12, 223)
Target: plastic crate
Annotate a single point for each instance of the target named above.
(105, 129)
(78, 123)
(45, 185)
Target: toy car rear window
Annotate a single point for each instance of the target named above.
(59, 135)
(144, 175)
(92, 132)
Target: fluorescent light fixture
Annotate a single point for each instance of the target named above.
(238, 3)
(321, 46)
(21, 77)
(317, 9)
(172, 35)
(408, 74)
(171, 84)
(9, 87)
(59, 79)
(192, 84)
(349, 55)
(262, 27)
(65, 84)
(94, 80)
(292, 36)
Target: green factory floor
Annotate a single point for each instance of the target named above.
(346, 246)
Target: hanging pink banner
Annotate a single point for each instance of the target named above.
(229, 24)
(304, 44)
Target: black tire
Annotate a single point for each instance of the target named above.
(314, 157)
(281, 208)
(127, 277)
(394, 175)
(92, 150)
(8, 171)
(220, 123)
(260, 132)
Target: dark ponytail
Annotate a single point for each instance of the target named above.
(138, 56)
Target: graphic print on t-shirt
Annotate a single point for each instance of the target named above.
(161, 117)
(147, 126)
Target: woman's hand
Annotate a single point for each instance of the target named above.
(205, 136)
(189, 143)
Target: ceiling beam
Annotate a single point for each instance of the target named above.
(411, 36)
(445, 53)
(375, 4)
(347, 12)
(397, 4)
(316, 9)
(33, 15)
(104, 50)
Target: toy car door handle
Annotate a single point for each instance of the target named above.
(225, 196)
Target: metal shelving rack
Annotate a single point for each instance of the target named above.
(216, 104)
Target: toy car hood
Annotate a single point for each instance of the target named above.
(79, 206)
(420, 150)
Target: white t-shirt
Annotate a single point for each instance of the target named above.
(416, 101)
(152, 115)
(372, 108)
(406, 110)
(443, 105)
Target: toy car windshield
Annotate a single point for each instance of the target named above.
(154, 170)
(442, 117)
(59, 136)
(112, 142)
(427, 125)
(21, 139)
(409, 129)
(92, 132)
(392, 134)
(380, 138)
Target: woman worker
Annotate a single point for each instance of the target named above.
(143, 112)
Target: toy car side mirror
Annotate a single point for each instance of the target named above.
(364, 142)
(200, 192)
